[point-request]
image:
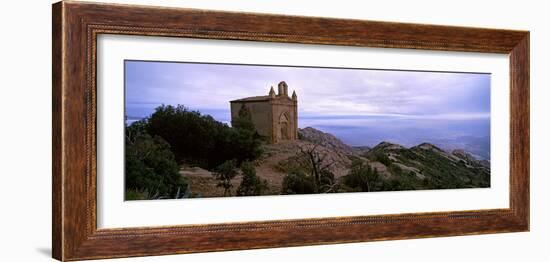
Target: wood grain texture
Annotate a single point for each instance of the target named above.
(57, 195)
(519, 129)
(76, 26)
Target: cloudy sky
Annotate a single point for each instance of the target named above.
(359, 106)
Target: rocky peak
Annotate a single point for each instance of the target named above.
(460, 153)
(388, 146)
(327, 140)
(428, 146)
(470, 159)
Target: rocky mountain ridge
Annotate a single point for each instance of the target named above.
(327, 140)
(423, 166)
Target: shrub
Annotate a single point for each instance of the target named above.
(393, 185)
(251, 185)
(298, 183)
(362, 178)
(382, 158)
(224, 173)
(327, 183)
(151, 169)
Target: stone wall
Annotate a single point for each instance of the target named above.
(260, 115)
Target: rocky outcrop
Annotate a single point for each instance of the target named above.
(424, 166)
(326, 140)
(470, 159)
(464, 155)
(283, 157)
(428, 146)
(387, 146)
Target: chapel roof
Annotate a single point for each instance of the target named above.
(252, 99)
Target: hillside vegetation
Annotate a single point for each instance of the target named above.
(174, 136)
(428, 167)
(178, 153)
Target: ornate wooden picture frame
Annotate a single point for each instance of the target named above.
(76, 26)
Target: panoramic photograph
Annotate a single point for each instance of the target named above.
(198, 130)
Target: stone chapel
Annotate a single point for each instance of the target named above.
(275, 116)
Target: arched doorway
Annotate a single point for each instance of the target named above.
(284, 126)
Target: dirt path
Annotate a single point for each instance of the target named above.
(203, 183)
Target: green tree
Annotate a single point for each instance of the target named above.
(151, 170)
(243, 142)
(251, 184)
(362, 177)
(201, 140)
(224, 173)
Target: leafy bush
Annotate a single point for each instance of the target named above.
(298, 182)
(224, 173)
(251, 185)
(362, 178)
(327, 182)
(134, 194)
(382, 158)
(394, 185)
(151, 169)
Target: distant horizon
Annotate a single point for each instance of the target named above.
(361, 107)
